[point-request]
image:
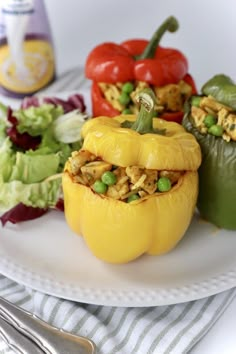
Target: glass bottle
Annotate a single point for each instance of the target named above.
(27, 62)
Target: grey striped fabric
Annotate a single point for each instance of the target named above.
(172, 329)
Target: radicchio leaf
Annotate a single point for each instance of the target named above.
(60, 205)
(30, 101)
(21, 140)
(75, 101)
(11, 119)
(21, 213)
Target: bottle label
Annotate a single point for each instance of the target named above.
(17, 7)
(26, 57)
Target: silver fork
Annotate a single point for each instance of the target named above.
(24, 331)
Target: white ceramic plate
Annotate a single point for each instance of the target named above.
(45, 255)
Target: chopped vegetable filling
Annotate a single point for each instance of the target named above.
(214, 118)
(170, 98)
(121, 183)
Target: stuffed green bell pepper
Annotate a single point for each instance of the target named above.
(211, 118)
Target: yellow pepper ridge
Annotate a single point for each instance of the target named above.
(177, 150)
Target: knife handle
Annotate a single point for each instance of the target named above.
(15, 340)
(48, 338)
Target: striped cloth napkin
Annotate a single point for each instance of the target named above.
(171, 329)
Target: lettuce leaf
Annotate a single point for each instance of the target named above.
(31, 169)
(35, 120)
(40, 195)
(28, 167)
(67, 127)
(35, 142)
(7, 160)
(50, 145)
(2, 131)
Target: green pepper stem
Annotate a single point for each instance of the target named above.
(144, 121)
(170, 25)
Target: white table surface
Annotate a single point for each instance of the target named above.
(221, 338)
(205, 36)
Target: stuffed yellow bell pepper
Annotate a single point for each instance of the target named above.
(133, 186)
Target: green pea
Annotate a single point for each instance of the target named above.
(109, 178)
(126, 111)
(124, 98)
(209, 120)
(164, 184)
(128, 87)
(99, 187)
(195, 101)
(133, 197)
(216, 130)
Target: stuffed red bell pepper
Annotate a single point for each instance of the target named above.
(119, 71)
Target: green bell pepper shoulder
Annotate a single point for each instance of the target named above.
(211, 119)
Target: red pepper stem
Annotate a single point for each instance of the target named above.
(144, 121)
(170, 25)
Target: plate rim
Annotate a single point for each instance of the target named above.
(105, 294)
(146, 297)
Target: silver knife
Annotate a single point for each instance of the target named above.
(15, 340)
(49, 339)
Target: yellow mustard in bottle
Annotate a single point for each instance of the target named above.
(27, 61)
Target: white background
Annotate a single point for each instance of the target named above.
(206, 36)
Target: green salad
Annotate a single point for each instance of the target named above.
(35, 142)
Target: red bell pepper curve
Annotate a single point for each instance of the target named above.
(139, 60)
